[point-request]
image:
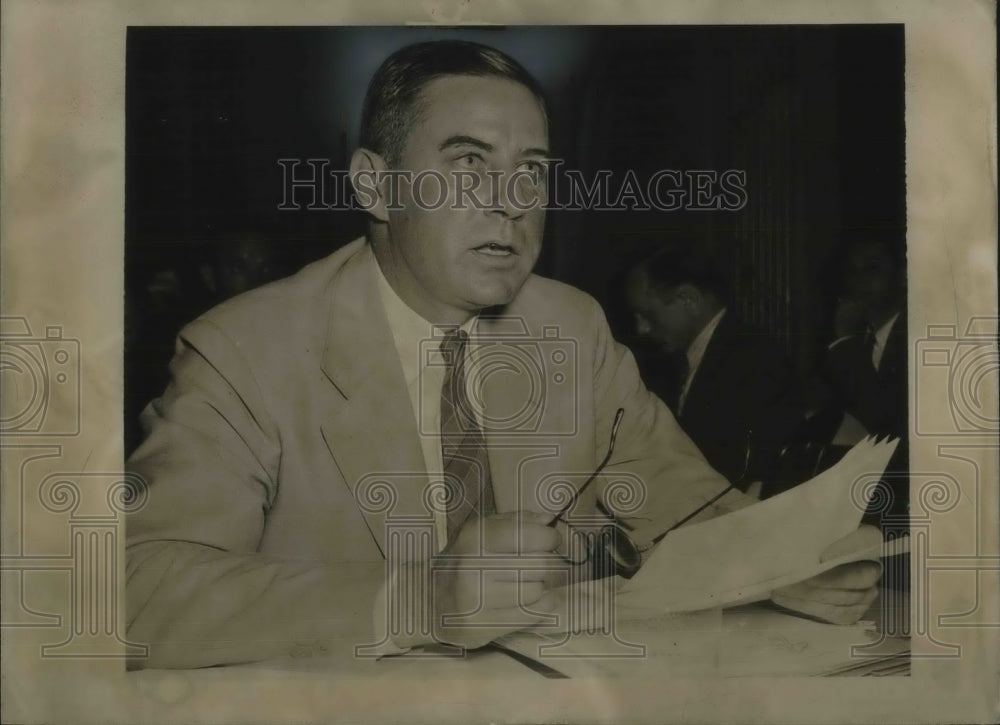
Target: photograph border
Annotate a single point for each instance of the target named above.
(65, 494)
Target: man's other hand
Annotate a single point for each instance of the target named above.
(493, 578)
(843, 594)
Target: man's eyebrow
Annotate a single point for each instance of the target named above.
(460, 140)
(463, 140)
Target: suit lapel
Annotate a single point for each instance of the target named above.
(531, 425)
(509, 400)
(706, 376)
(531, 428)
(372, 436)
(893, 361)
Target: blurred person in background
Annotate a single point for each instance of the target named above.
(734, 390)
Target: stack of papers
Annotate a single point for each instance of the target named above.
(745, 555)
(668, 617)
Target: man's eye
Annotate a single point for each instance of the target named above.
(535, 170)
(471, 161)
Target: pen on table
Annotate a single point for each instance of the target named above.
(600, 467)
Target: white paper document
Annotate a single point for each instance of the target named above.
(668, 619)
(744, 555)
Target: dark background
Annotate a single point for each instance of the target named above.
(813, 114)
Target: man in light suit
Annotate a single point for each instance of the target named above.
(304, 420)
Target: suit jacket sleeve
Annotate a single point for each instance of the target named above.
(775, 410)
(652, 453)
(865, 396)
(197, 591)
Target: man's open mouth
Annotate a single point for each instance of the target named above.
(496, 249)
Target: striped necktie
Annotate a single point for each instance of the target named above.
(464, 457)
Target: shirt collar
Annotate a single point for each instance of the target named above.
(881, 336)
(696, 350)
(410, 331)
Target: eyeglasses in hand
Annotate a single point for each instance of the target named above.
(611, 551)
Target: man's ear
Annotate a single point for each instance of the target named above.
(370, 184)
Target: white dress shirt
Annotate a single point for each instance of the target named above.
(418, 347)
(695, 353)
(881, 336)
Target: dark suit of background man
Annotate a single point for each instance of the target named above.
(866, 364)
(735, 393)
(288, 403)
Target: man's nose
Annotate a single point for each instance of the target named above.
(506, 196)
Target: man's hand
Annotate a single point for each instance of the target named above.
(840, 595)
(493, 578)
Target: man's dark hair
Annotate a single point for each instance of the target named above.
(392, 102)
(685, 263)
(874, 251)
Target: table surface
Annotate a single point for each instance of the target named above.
(754, 640)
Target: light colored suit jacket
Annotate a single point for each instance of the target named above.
(285, 447)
